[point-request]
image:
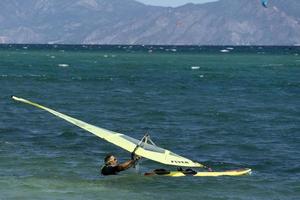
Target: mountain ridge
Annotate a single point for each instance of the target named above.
(226, 22)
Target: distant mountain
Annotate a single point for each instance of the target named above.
(226, 22)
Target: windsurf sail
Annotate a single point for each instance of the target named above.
(141, 148)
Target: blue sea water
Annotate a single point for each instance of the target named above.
(227, 107)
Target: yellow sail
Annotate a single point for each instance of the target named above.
(130, 144)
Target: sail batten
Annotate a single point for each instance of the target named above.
(128, 143)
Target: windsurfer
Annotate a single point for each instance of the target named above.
(112, 167)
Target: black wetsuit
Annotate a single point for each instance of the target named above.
(109, 170)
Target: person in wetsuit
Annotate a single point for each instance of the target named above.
(111, 166)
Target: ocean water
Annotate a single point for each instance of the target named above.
(227, 107)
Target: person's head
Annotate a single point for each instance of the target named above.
(110, 159)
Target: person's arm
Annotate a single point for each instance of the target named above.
(125, 165)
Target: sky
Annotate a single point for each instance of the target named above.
(172, 3)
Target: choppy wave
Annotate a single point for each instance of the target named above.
(231, 110)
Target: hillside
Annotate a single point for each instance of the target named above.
(226, 22)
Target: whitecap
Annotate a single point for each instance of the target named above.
(224, 50)
(35, 75)
(273, 65)
(63, 65)
(195, 67)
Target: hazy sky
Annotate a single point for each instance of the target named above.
(172, 2)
